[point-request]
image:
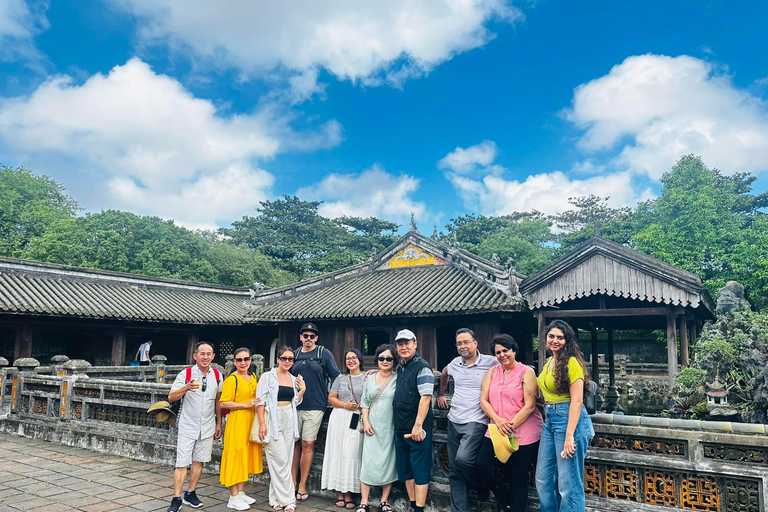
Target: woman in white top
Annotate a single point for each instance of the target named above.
(280, 392)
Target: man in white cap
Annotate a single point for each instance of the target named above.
(413, 419)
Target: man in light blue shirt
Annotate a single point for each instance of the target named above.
(467, 423)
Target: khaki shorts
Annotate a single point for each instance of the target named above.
(309, 424)
(188, 450)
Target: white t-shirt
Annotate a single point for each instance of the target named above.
(144, 351)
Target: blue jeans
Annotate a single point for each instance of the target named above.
(560, 482)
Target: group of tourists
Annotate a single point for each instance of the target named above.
(380, 429)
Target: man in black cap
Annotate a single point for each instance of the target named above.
(317, 366)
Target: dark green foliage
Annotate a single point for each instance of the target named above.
(29, 206)
(523, 239)
(305, 243)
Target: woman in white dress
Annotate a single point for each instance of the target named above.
(344, 438)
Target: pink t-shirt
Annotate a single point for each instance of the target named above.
(507, 398)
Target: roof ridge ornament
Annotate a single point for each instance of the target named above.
(413, 223)
(434, 233)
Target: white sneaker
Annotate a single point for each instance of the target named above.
(237, 504)
(246, 498)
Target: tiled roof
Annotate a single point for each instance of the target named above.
(412, 291)
(45, 289)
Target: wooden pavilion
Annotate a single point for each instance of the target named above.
(602, 284)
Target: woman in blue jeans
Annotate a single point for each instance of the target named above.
(567, 427)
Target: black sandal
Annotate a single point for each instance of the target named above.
(363, 508)
(385, 507)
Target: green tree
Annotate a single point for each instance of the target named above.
(709, 224)
(29, 205)
(522, 238)
(591, 214)
(303, 242)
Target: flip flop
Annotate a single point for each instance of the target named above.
(300, 494)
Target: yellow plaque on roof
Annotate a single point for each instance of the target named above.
(413, 256)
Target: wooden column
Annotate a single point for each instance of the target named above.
(611, 363)
(192, 339)
(671, 346)
(426, 336)
(595, 354)
(542, 339)
(118, 347)
(683, 341)
(24, 336)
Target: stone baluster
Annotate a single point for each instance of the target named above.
(5, 372)
(25, 366)
(56, 365)
(257, 362)
(159, 364)
(74, 370)
(229, 366)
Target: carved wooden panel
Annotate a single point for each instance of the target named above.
(640, 444)
(753, 454)
(621, 483)
(91, 393)
(77, 410)
(742, 496)
(699, 493)
(442, 459)
(40, 406)
(127, 396)
(660, 488)
(593, 480)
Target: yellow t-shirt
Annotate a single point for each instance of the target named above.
(547, 380)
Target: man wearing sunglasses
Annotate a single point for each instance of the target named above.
(467, 423)
(199, 423)
(317, 366)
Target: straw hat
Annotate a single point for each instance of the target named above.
(503, 446)
(162, 412)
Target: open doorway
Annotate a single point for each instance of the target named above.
(446, 344)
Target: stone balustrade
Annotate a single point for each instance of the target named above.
(644, 464)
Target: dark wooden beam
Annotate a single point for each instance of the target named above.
(597, 313)
(683, 340)
(118, 347)
(671, 346)
(192, 339)
(595, 355)
(24, 337)
(611, 363)
(542, 339)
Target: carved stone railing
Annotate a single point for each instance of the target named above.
(635, 463)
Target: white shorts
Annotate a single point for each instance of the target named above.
(197, 450)
(309, 424)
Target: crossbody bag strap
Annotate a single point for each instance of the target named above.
(349, 380)
(380, 391)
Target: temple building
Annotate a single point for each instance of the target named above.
(419, 283)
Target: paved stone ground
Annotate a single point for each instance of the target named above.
(36, 476)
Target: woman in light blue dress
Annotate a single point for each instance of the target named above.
(379, 445)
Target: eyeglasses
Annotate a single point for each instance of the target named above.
(242, 359)
(309, 336)
(464, 343)
(386, 359)
(205, 384)
(351, 359)
(286, 359)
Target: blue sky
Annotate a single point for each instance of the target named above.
(197, 110)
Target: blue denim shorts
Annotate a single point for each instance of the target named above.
(414, 459)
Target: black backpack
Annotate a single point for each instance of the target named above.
(319, 359)
(591, 393)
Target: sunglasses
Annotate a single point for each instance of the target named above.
(242, 359)
(309, 336)
(386, 359)
(205, 384)
(286, 359)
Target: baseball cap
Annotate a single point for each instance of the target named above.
(405, 334)
(309, 326)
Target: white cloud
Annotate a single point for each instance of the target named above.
(368, 41)
(546, 192)
(20, 22)
(471, 159)
(371, 193)
(667, 107)
(161, 150)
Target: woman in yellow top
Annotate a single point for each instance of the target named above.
(567, 428)
(241, 457)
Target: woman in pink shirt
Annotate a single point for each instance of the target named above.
(509, 400)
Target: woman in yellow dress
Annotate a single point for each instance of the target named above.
(241, 457)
